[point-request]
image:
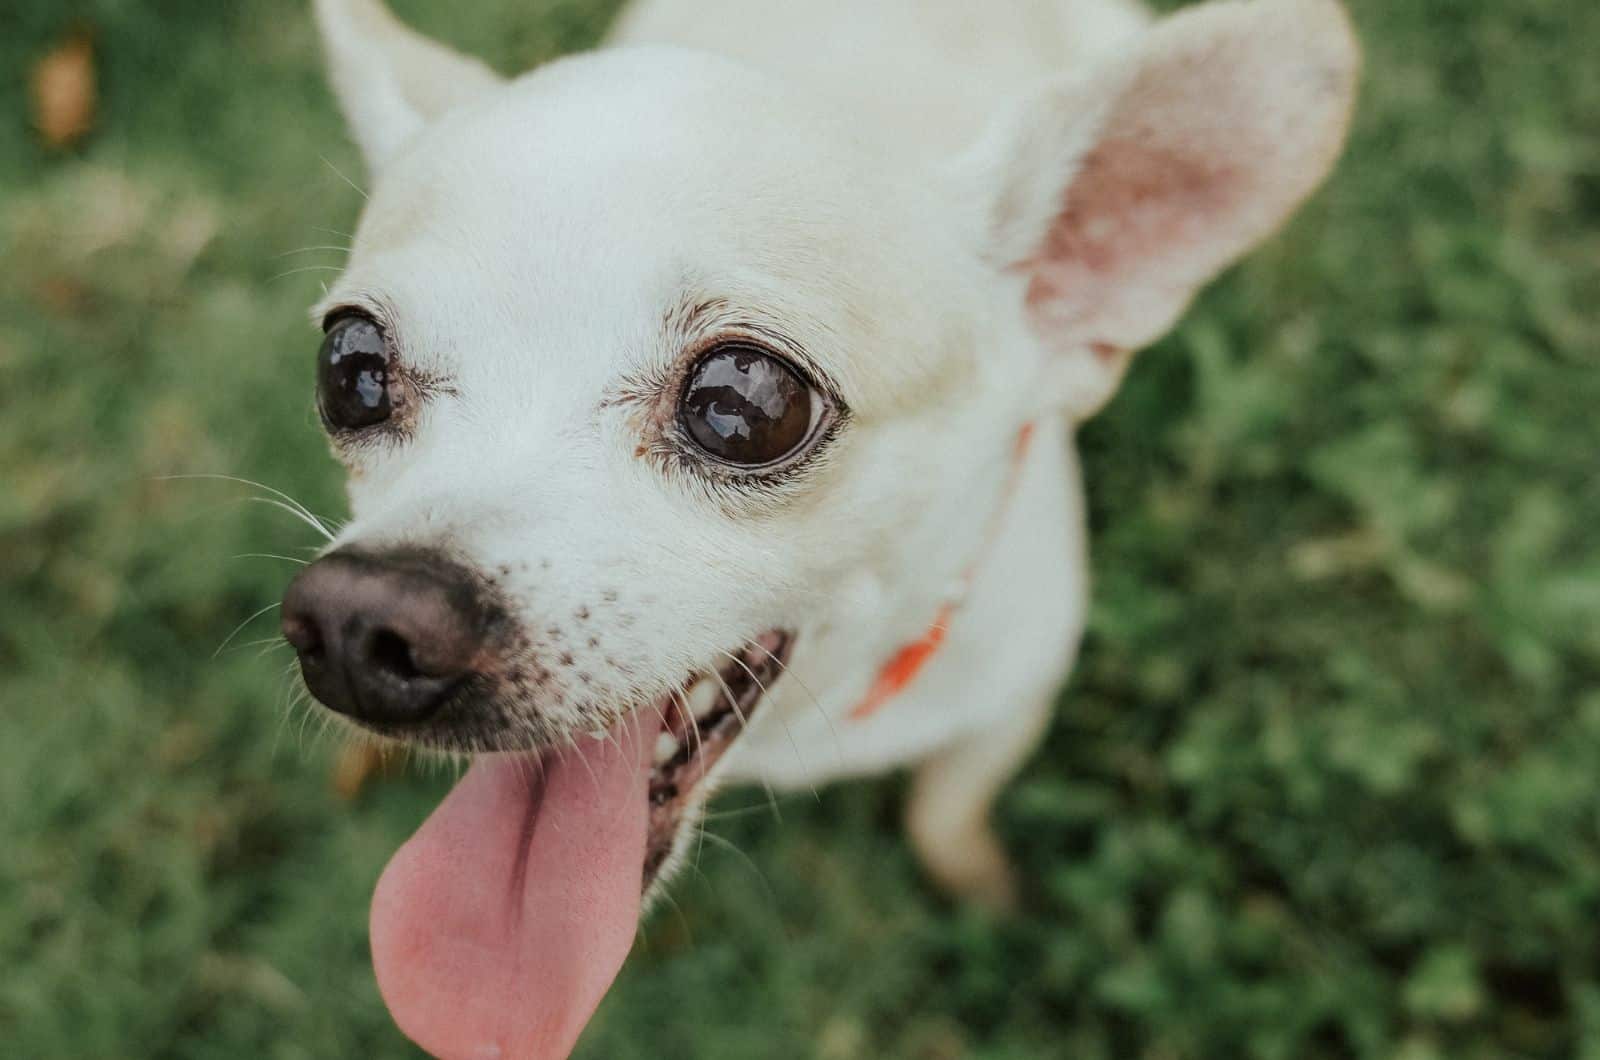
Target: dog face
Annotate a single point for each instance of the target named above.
(646, 371)
(660, 382)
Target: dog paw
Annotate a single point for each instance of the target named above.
(971, 868)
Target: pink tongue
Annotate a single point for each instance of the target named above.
(499, 926)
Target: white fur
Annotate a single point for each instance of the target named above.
(884, 185)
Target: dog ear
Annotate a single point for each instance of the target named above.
(391, 80)
(1117, 195)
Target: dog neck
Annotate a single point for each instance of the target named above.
(911, 658)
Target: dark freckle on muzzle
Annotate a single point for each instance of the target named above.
(386, 637)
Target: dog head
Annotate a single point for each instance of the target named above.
(644, 369)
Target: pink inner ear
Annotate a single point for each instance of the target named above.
(1139, 213)
(1230, 115)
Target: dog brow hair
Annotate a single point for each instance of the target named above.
(692, 316)
(697, 318)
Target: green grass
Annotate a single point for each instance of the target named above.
(1326, 783)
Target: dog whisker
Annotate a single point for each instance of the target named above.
(305, 517)
(268, 645)
(287, 502)
(738, 812)
(311, 250)
(661, 714)
(304, 268)
(784, 668)
(693, 819)
(771, 804)
(683, 920)
(572, 748)
(771, 797)
(300, 710)
(733, 700)
(772, 801)
(340, 173)
(300, 698)
(688, 716)
(788, 734)
(327, 724)
(732, 847)
(237, 629)
(287, 676)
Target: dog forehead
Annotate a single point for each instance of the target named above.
(568, 213)
(628, 148)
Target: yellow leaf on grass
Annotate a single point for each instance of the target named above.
(63, 86)
(359, 762)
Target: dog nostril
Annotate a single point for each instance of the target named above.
(390, 652)
(304, 636)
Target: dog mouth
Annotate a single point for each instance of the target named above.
(700, 724)
(497, 928)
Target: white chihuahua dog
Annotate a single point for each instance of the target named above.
(708, 406)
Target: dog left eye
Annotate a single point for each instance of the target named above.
(353, 374)
(745, 406)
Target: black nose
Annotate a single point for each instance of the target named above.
(385, 638)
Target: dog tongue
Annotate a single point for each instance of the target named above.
(499, 926)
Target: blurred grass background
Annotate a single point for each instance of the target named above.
(1326, 783)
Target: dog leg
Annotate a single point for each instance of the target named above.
(952, 793)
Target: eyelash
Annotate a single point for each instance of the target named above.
(740, 492)
(678, 454)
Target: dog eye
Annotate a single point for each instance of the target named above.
(353, 374)
(745, 406)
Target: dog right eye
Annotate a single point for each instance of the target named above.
(353, 374)
(746, 407)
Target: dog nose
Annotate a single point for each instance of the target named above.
(384, 638)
